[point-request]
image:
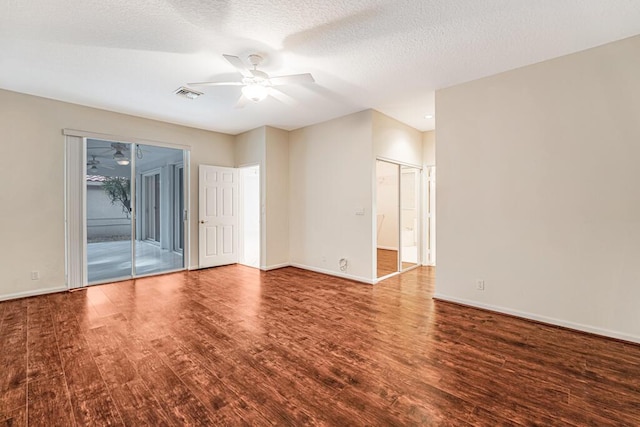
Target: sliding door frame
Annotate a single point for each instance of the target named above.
(76, 274)
(420, 242)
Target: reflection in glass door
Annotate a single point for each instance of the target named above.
(398, 217)
(178, 206)
(409, 216)
(160, 204)
(108, 211)
(134, 210)
(151, 207)
(387, 207)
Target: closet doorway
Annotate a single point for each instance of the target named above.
(397, 217)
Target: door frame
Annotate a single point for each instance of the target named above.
(374, 216)
(178, 215)
(75, 202)
(241, 212)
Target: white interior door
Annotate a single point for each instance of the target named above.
(218, 221)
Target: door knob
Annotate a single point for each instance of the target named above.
(202, 221)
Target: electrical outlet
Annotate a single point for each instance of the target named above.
(480, 285)
(35, 275)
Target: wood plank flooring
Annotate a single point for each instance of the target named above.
(236, 346)
(388, 262)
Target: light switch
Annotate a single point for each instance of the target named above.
(360, 211)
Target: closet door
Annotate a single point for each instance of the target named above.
(409, 217)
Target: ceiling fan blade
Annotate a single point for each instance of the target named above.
(282, 97)
(105, 150)
(216, 84)
(292, 79)
(242, 101)
(237, 62)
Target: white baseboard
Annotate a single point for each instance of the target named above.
(543, 319)
(333, 273)
(32, 293)
(274, 267)
(388, 248)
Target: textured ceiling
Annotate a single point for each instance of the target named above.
(130, 56)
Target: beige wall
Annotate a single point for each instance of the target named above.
(331, 169)
(32, 170)
(538, 194)
(429, 148)
(277, 200)
(269, 147)
(313, 181)
(250, 149)
(396, 141)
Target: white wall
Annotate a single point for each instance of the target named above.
(32, 219)
(331, 170)
(538, 177)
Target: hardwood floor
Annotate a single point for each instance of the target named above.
(388, 262)
(236, 346)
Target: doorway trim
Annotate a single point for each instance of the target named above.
(241, 211)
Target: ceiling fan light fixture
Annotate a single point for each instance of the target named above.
(120, 158)
(255, 92)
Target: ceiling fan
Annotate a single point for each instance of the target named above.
(119, 150)
(92, 166)
(256, 84)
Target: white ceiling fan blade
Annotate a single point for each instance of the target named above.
(237, 62)
(292, 79)
(282, 97)
(105, 150)
(215, 84)
(242, 101)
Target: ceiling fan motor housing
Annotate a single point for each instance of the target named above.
(255, 59)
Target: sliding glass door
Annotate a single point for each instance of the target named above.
(160, 207)
(409, 216)
(108, 211)
(398, 217)
(134, 210)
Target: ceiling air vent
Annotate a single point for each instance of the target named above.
(187, 92)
